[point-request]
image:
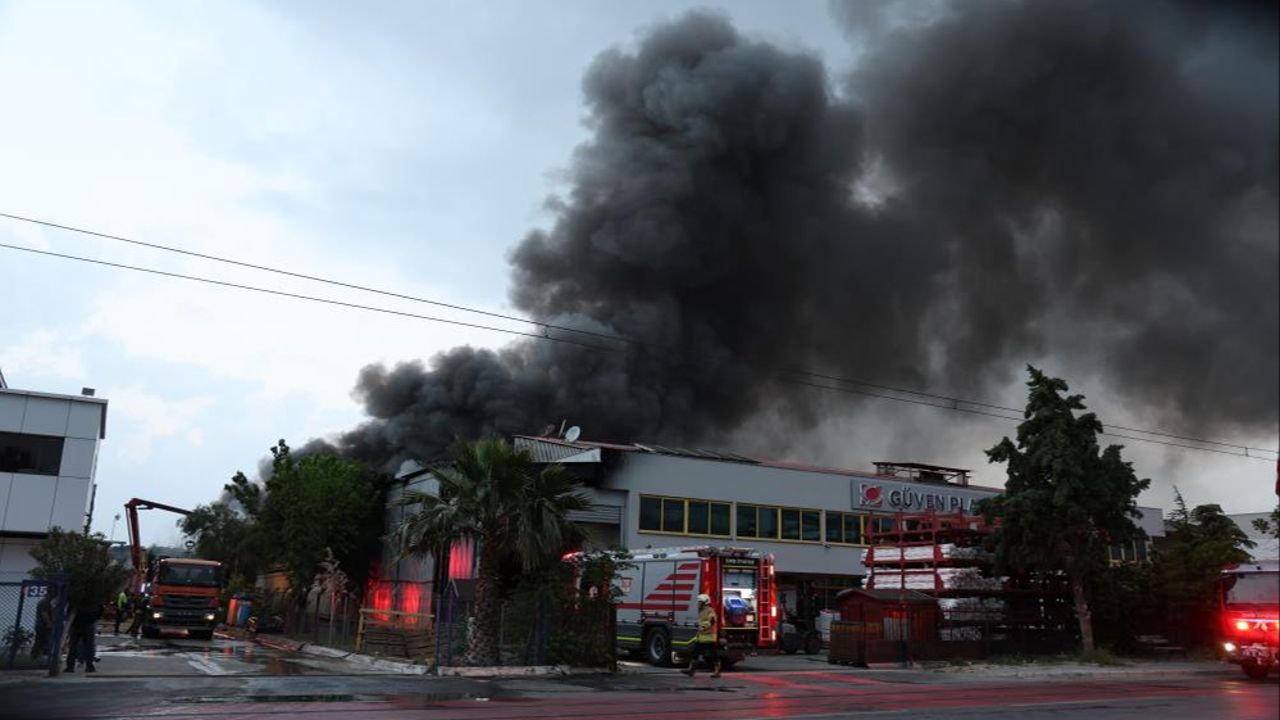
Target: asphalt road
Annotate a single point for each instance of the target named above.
(192, 680)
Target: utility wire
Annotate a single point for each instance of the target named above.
(312, 298)
(947, 402)
(314, 278)
(986, 413)
(977, 403)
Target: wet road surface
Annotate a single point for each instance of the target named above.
(194, 680)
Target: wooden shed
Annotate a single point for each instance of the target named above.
(883, 626)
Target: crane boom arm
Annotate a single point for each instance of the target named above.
(131, 509)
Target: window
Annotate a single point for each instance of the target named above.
(798, 525)
(756, 521)
(708, 518)
(833, 527)
(672, 515)
(811, 526)
(746, 521)
(720, 519)
(853, 529)
(790, 524)
(30, 454)
(844, 528)
(650, 513)
(767, 517)
(699, 518)
(685, 517)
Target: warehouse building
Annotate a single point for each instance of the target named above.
(814, 520)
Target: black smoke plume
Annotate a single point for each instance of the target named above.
(997, 181)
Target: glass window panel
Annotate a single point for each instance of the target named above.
(746, 521)
(30, 454)
(650, 513)
(720, 519)
(810, 526)
(698, 520)
(790, 524)
(852, 528)
(833, 527)
(1142, 551)
(768, 522)
(673, 515)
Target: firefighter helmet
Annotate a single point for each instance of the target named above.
(704, 599)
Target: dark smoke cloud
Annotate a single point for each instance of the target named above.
(1092, 180)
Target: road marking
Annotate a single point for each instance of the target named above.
(206, 666)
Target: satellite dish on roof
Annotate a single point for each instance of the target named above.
(572, 433)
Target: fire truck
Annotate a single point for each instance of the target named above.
(1250, 616)
(658, 608)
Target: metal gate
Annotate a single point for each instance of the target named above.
(32, 617)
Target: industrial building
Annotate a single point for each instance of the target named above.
(814, 520)
(48, 456)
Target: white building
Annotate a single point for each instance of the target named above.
(48, 455)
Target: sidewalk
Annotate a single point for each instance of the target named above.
(1074, 670)
(407, 667)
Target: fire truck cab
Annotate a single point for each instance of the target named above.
(1250, 616)
(658, 608)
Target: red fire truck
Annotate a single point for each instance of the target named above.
(658, 608)
(1250, 616)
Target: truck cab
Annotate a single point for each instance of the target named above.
(182, 594)
(1249, 616)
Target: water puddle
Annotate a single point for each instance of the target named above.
(315, 698)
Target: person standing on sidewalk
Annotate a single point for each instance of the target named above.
(706, 642)
(83, 645)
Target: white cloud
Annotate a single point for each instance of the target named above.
(43, 355)
(143, 418)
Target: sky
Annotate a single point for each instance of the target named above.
(400, 145)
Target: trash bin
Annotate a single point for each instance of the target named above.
(244, 609)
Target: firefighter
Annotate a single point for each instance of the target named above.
(705, 643)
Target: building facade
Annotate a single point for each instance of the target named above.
(815, 521)
(48, 457)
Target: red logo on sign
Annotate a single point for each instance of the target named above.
(872, 496)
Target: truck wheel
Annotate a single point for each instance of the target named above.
(790, 644)
(1255, 670)
(657, 647)
(813, 644)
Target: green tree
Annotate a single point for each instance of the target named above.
(84, 562)
(222, 533)
(1269, 526)
(1201, 542)
(1065, 500)
(310, 507)
(494, 495)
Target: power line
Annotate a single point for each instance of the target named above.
(977, 403)
(312, 298)
(314, 278)
(985, 413)
(947, 402)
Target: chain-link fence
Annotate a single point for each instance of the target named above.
(320, 617)
(564, 616)
(32, 619)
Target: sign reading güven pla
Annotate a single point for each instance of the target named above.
(889, 496)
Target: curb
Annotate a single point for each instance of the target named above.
(369, 661)
(407, 668)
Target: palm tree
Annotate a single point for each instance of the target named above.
(493, 494)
